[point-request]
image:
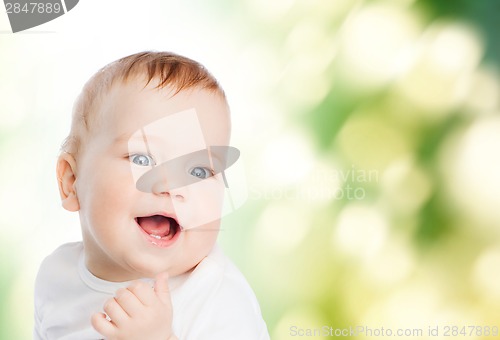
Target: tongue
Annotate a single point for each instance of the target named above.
(155, 225)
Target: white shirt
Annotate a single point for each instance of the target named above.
(214, 301)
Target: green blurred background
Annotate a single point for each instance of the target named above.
(370, 135)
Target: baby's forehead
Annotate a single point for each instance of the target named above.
(195, 114)
(180, 132)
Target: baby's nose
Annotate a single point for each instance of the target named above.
(163, 179)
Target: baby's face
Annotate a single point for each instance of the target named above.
(148, 187)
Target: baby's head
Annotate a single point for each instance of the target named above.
(143, 165)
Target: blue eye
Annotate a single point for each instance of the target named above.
(142, 160)
(201, 172)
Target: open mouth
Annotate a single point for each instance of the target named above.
(160, 230)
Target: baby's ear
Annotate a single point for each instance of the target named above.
(66, 177)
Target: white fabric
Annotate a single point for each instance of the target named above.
(214, 301)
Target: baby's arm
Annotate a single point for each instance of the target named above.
(138, 312)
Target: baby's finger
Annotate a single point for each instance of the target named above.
(143, 292)
(116, 313)
(161, 287)
(102, 325)
(128, 302)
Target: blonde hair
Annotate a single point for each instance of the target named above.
(168, 68)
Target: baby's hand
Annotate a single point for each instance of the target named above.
(137, 312)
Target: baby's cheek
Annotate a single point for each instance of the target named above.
(197, 245)
(203, 204)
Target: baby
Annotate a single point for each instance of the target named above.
(144, 166)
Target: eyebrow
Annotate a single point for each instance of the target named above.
(143, 138)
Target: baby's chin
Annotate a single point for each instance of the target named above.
(181, 265)
(178, 268)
